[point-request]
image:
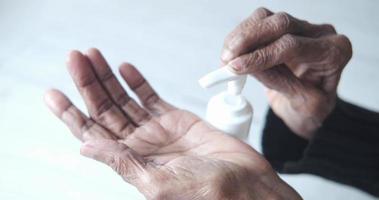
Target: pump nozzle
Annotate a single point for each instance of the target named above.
(235, 82)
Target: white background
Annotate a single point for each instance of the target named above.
(173, 43)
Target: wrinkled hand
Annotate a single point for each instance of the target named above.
(167, 153)
(300, 64)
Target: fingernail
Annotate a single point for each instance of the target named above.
(68, 58)
(88, 144)
(71, 54)
(237, 65)
(226, 55)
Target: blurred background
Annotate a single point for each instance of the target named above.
(173, 43)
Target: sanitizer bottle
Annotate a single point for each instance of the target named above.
(228, 111)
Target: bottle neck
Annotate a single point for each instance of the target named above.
(235, 86)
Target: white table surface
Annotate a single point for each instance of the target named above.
(173, 43)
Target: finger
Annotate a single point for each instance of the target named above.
(146, 94)
(282, 80)
(343, 48)
(119, 157)
(260, 13)
(267, 64)
(113, 87)
(281, 51)
(253, 35)
(257, 15)
(80, 125)
(99, 104)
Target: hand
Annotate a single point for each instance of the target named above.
(300, 64)
(167, 153)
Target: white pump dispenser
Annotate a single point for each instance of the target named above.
(228, 111)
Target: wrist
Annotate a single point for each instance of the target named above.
(305, 117)
(267, 185)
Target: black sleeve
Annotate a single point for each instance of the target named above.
(345, 149)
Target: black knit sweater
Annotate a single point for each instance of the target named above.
(345, 149)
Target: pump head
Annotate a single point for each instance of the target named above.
(235, 82)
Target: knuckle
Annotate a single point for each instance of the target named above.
(263, 11)
(242, 34)
(67, 111)
(348, 50)
(260, 13)
(86, 126)
(248, 60)
(258, 59)
(122, 99)
(333, 53)
(262, 57)
(341, 51)
(86, 80)
(288, 41)
(283, 21)
(237, 31)
(344, 41)
(151, 100)
(248, 23)
(106, 76)
(237, 38)
(235, 41)
(329, 28)
(125, 129)
(103, 106)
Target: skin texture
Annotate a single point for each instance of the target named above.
(299, 63)
(166, 152)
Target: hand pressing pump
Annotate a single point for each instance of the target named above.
(228, 111)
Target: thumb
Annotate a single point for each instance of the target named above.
(126, 162)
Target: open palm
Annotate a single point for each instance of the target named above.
(166, 152)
